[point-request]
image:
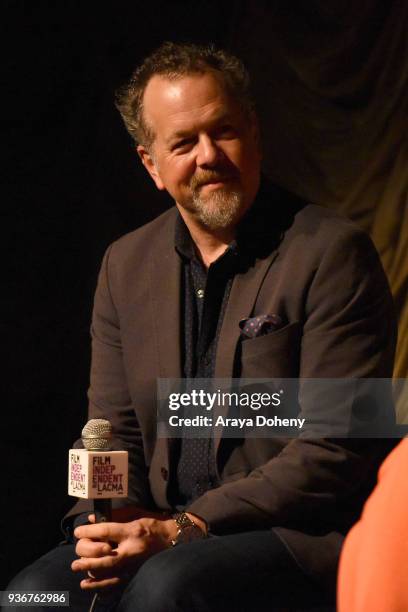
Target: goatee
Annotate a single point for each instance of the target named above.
(219, 209)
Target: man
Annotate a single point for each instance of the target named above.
(177, 298)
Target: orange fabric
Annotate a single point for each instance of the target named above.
(373, 573)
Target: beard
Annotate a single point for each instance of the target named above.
(218, 209)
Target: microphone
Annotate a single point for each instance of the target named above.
(96, 436)
(96, 472)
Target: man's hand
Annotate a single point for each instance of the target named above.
(110, 552)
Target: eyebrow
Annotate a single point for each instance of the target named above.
(179, 134)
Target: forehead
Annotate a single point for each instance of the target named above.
(186, 102)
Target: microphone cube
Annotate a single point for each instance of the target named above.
(97, 474)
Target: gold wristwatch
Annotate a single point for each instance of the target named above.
(188, 531)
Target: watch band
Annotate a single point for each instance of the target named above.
(188, 530)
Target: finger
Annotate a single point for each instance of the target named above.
(92, 518)
(100, 531)
(96, 564)
(88, 548)
(88, 584)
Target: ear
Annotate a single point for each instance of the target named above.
(149, 164)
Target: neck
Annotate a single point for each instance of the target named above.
(210, 244)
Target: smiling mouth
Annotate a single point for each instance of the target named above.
(214, 184)
(218, 182)
(210, 181)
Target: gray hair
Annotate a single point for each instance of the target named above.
(174, 60)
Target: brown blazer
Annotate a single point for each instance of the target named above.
(322, 275)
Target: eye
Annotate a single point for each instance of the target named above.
(183, 145)
(226, 131)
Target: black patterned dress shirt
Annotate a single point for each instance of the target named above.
(205, 296)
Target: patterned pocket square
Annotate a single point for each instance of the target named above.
(260, 325)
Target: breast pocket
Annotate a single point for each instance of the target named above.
(275, 355)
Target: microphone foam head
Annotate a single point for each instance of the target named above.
(96, 435)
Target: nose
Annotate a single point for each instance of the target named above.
(208, 153)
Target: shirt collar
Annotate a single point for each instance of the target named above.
(184, 244)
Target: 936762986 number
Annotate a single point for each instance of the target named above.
(34, 598)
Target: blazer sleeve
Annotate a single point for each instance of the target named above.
(109, 396)
(349, 331)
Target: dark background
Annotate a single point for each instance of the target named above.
(73, 183)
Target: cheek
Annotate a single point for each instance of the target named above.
(241, 155)
(176, 176)
(182, 170)
(251, 156)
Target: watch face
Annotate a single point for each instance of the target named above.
(183, 520)
(189, 534)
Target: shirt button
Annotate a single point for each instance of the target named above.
(200, 293)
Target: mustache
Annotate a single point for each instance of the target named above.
(209, 176)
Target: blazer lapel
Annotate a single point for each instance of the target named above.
(244, 292)
(165, 279)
